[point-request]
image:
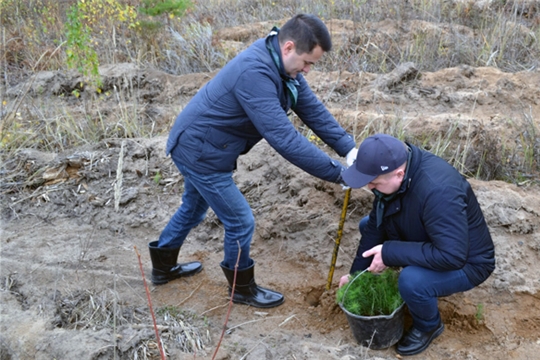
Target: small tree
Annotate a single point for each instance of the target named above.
(86, 21)
(80, 53)
(169, 8)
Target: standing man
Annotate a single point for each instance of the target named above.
(425, 219)
(248, 100)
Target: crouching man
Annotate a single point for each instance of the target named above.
(425, 219)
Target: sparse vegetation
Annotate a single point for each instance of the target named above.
(479, 315)
(98, 310)
(502, 34)
(44, 36)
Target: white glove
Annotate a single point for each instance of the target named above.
(342, 183)
(351, 156)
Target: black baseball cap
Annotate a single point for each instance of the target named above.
(377, 155)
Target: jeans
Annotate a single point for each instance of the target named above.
(420, 287)
(219, 192)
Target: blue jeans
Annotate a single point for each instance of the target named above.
(420, 287)
(219, 192)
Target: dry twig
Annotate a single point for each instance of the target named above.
(160, 346)
(230, 302)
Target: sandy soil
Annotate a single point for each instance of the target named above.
(70, 277)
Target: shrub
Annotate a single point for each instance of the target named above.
(368, 294)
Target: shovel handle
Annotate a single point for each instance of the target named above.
(338, 239)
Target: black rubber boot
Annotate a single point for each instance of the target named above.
(248, 292)
(164, 266)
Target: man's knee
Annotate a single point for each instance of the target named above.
(243, 231)
(249, 224)
(411, 282)
(363, 224)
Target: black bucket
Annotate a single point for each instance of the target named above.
(376, 332)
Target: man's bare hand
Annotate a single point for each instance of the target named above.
(344, 279)
(377, 265)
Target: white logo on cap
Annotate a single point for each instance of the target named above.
(384, 168)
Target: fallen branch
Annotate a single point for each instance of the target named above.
(160, 346)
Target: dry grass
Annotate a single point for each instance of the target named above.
(432, 34)
(444, 34)
(92, 309)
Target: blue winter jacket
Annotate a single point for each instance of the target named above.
(245, 102)
(434, 222)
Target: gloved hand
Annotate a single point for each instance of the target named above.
(341, 182)
(351, 156)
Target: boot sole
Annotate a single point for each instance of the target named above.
(258, 305)
(166, 280)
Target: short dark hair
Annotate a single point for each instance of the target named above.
(306, 31)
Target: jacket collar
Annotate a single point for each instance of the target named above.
(383, 200)
(272, 44)
(409, 170)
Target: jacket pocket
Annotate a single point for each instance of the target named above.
(220, 150)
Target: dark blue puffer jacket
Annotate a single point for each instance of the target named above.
(245, 102)
(434, 222)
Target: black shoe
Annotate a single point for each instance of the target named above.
(415, 341)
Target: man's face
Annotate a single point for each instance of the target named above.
(295, 63)
(387, 183)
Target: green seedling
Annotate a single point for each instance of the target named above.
(371, 294)
(157, 178)
(479, 315)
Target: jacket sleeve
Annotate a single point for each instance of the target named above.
(444, 216)
(257, 93)
(316, 116)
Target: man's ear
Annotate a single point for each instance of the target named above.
(288, 47)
